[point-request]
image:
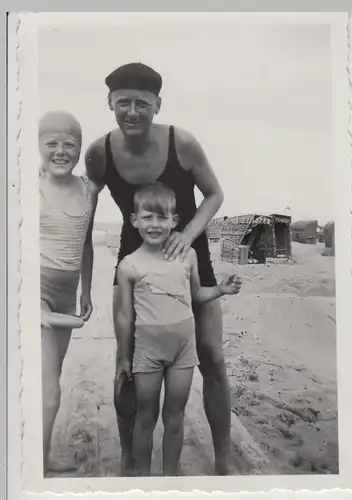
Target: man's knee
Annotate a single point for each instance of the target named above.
(208, 321)
(211, 358)
(208, 318)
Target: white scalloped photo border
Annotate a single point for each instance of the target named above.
(27, 278)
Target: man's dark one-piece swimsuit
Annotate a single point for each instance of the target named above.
(178, 179)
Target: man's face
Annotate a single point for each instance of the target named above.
(134, 110)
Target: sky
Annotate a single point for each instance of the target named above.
(258, 98)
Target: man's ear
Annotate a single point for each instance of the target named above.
(110, 102)
(133, 219)
(175, 220)
(158, 105)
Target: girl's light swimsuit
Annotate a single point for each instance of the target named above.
(62, 238)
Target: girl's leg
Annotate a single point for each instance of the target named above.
(148, 387)
(54, 347)
(177, 386)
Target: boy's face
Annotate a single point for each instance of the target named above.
(154, 227)
(60, 152)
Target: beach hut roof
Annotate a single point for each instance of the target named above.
(259, 219)
(302, 224)
(236, 228)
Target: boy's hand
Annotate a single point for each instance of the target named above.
(231, 286)
(86, 307)
(177, 245)
(125, 368)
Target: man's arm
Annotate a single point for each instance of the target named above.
(193, 159)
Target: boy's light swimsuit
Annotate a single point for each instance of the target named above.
(164, 325)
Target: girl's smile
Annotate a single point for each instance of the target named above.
(60, 152)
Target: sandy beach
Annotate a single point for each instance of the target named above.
(280, 349)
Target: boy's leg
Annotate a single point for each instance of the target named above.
(216, 395)
(125, 405)
(177, 387)
(124, 392)
(148, 387)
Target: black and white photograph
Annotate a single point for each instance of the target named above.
(186, 219)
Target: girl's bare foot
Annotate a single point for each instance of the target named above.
(60, 468)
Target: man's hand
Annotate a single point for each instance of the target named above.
(177, 245)
(231, 286)
(86, 307)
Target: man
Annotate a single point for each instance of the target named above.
(139, 152)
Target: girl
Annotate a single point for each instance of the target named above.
(67, 207)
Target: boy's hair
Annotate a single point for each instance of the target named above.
(155, 197)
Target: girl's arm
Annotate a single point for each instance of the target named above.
(202, 294)
(57, 320)
(124, 315)
(88, 258)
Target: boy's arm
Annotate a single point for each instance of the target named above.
(124, 315)
(202, 294)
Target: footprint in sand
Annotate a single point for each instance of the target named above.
(285, 432)
(296, 459)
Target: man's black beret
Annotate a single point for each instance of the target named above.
(134, 76)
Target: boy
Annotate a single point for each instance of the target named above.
(158, 293)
